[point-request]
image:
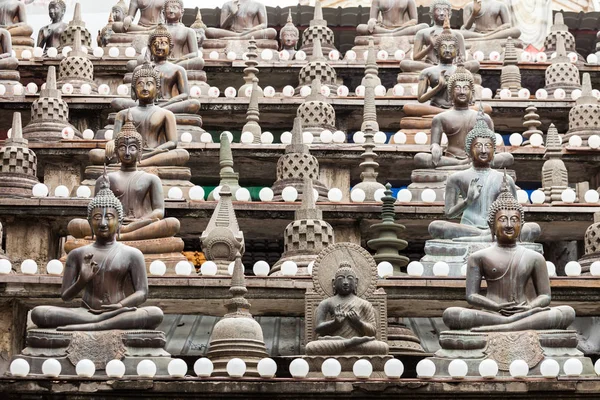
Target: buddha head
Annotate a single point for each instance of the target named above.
(200, 28)
(119, 11)
(480, 143)
(105, 212)
(173, 10)
(506, 217)
(56, 10)
(439, 10)
(446, 44)
(160, 43)
(145, 84)
(345, 281)
(128, 144)
(461, 87)
(289, 34)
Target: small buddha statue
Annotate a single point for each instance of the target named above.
(8, 63)
(184, 42)
(488, 20)
(471, 192)
(157, 125)
(173, 90)
(242, 19)
(398, 18)
(345, 323)
(289, 36)
(424, 52)
(140, 193)
(200, 28)
(150, 14)
(456, 124)
(433, 88)
(14, 19)
(117, 14)
(510, 303)
(49, 35)
(111, 275)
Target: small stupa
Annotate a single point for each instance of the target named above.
(562, 73)
(555, 177)
(49, 114)
(559, 28)
(250, 72)
(67, 37)
(510, 77)
(317, 30)
(253, 114)
(532, 121)
(76, 68)
(18, 166)
(306, 236)
(227, 174)
(316, 113)
(371, 67)
(318, 67)
(237, 334)
(386, 241)
(222, 238)
(584, 116)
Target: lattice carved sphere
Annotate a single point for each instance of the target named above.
(79, 68)
(317, 69)
(584, 117)
(49, 108)
(308, 235)
(552, 39)
(68, 36)
(562, 75)
(592, 239)
(316, 113)
(315, 32)
(18, 160)
(297, 165)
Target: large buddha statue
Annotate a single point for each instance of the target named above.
(49, 35)
(507, 267)
(471, 192)
(111, 275)
(345, 323)
(456, 124)
(150, 13)
(241, 20)
(14, 19)
(8, 63)
(184, 44)
(140, 193)
(390, 20)
(487, 25)
(157, 125)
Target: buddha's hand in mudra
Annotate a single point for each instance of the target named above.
(109, 149)
(474, 190)
(89, 267)
(353, 317)
(339, 314)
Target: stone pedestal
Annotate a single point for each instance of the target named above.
(347, 362)
(487, 46)
(167, 250)
(191, 123)
(239, 47)
(387, 43)
(9, 79)
(129, 346)
(455, 254)
(531, 346)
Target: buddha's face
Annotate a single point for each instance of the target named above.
(160, 47)
(507, 226)
(447, 50)
(289, 39)
(462, 93)
(55, 12)
(145, 89)
(128, 151)
(173, 12)
(482, 151)
(117, 14)
(440, 13)
(345, 284)
(104, 222)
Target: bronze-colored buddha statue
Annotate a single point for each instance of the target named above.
(157, 125)
(507, 267)
(49, 35)
(150, 13)
(8, 63)
(14, 19)
(117, 14)
(111, 275)
(345, 323)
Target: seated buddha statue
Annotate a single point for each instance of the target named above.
(389, 19)
(14, 19)
(8, 63)
(111, 275)
(289, 36)
(433, 88)
(345, 324)
(456, 124)
(140, 193)
(241, 20)
(488, 21)
(150, 13)
(471, 192)
(184, 44)
(173, 86)
(157, 125)
(49, 35)
(117, 14)
(510, 302)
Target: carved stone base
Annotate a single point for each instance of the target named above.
(504, 347)
(16, 185)
(347, 362)
(298, 183)
(20, 44)
(77, 83)
(130, 346)
(455, 254)
(387, 43)
(168, 250)
(402, 339)
(48, 131)
(239, 47)
(191, 123)
(301, 260)
(122, 41)
(409, 81)
(587, 260)
(487, 46)
(249, 350)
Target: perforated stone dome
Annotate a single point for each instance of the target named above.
(564, 76)
(592, 239)
(318, 32)
(297, 166)
(317, 69)
(317, 116)
(584, 120)
(552, 39)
